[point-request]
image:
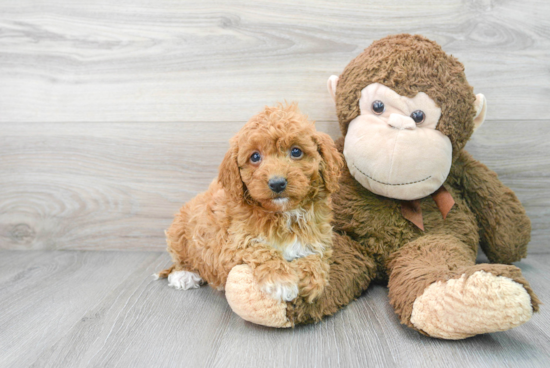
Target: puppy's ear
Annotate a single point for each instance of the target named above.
(229, 174)
(332, 162)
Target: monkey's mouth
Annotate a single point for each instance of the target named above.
(390, 184)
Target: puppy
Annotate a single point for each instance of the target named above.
(268, 208)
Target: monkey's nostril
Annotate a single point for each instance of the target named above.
(277, 184)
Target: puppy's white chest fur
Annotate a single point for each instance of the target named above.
(296, 250)
(293, 250)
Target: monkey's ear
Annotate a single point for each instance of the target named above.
(481, 110)
(229, 174)
(332, 162)
(331, 85)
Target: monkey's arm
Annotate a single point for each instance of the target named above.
(505, 229)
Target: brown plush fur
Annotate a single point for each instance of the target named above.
(504, 228)
(236, 220)
(374, 242)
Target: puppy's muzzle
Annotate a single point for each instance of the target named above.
(277, 184)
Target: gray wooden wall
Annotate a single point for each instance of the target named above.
(114, 113)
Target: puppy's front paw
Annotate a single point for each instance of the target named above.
(313, 275)
(280, 291)
(312, 287)
(277, 280)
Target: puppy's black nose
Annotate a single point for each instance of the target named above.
(277, 184)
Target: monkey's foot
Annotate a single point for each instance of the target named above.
(250, 303)
(467, 306)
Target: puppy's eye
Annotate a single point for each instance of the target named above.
(418, 116)
(296, 153)
(378, 107)
(255, 157)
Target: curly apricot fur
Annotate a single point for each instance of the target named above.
(237, 221)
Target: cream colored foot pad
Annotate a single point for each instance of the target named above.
(461, 308)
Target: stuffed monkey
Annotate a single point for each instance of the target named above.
(413, 205)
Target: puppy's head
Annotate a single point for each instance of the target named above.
(278, 160)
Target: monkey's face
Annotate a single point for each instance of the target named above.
(393, 148)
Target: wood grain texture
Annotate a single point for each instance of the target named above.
(103, 186)
(103, 309)
(116, 186)
(45, 294)
(197, 60)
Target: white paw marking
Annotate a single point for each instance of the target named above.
(184, 280)
(155, 276)
(281, 292)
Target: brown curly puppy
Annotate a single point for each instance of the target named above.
(268, 208)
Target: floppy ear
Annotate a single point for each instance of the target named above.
(332, 162)
(229, 174)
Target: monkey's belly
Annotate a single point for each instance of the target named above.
(378, 225)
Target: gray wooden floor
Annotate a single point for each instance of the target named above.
(114, 113)
(103, 309)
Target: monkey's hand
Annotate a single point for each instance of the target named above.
(505, 229)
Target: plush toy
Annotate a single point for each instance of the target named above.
(413, 205)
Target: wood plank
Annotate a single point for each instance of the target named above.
(45, 294)
(80, 309)
(117, 185)
(143, 323)
(210, 60)
(102, 186)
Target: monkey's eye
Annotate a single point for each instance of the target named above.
(296, 153)
(378, 107)
(418, 116)
(255, 157)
